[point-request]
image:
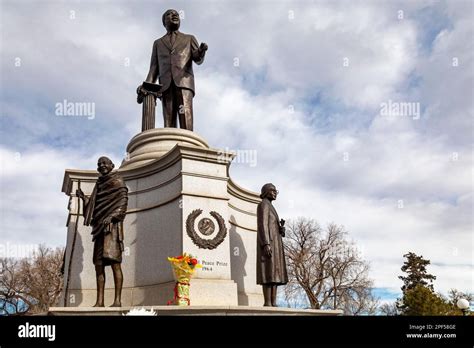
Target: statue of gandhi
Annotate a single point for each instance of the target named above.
(105, 211)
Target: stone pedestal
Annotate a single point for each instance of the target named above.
(181, 199)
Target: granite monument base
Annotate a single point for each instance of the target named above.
(181, 199)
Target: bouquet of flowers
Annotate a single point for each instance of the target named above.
(183, 269)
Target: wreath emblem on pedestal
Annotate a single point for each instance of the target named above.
(198, 240)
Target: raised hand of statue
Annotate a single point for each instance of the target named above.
(203, 48)
(267, 249)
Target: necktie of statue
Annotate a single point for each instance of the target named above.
(172, 38)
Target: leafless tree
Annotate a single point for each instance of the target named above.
(327, 268)
(360, 300)
(11, 289)
(389, 309)
(31, 285)
(454, 295)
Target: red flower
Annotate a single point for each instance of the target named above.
(193, 262)
(179, 257)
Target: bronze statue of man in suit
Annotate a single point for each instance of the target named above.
(172, 60)
(105, 211)
(271, 265)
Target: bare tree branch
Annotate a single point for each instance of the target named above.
(31, 285)
(326, 267)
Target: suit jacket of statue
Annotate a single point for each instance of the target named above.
(109, 198)
(270, 270)
(174, 62)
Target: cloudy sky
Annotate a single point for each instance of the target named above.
(304, 85)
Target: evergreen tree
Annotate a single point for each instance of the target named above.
(418, 293)
(419, 297)
(415, 267)
(421, 300)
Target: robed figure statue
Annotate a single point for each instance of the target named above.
(105, 211)
(271, 265)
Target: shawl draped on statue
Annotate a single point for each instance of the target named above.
(109, 199)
